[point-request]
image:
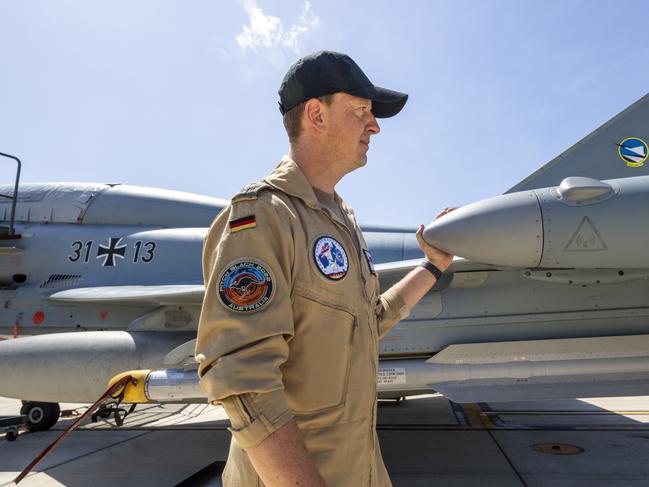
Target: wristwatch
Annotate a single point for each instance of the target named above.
(432, 268)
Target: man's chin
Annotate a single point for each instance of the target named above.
(357, 163)
(361, 161)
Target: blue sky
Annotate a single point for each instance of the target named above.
(183, 95)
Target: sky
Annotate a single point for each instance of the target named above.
(183, 95)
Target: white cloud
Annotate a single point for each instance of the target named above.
(267, 31)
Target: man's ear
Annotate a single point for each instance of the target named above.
(313, 114)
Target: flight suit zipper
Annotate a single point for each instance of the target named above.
(374, 334)
(373, 330)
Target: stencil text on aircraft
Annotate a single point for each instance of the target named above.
(113, 251)
(391, 375)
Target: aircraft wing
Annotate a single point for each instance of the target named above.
(391, 272)
(187, 294)
(192, 294)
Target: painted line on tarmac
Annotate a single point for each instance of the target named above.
(476, 416)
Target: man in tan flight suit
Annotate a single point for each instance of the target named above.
(289, 330)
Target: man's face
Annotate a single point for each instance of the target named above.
(350, 124)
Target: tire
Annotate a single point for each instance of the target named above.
(41, 416)
(11, 435)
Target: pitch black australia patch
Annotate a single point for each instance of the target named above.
(246, 285)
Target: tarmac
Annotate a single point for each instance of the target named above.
(425, 440)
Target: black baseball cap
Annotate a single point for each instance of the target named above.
(325, 72)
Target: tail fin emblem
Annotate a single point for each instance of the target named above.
(633, 151)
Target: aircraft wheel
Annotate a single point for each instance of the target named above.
(41, 416)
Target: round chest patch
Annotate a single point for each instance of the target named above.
(245, 286)
(330, 257)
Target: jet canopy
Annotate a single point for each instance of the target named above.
(109, 204)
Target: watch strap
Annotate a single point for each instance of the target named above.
(432, 268)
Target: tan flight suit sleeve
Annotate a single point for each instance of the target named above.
(390, 309)
(240, 352)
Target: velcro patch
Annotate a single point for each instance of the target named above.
(251, 190)
(243, 223)
(330, 258)
(370, 261)
(246, 285)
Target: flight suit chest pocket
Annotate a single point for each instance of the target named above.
(316, 375)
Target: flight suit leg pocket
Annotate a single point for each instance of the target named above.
(316, 375)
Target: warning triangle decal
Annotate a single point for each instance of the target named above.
(585, 238)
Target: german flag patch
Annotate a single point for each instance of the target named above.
(243, 223)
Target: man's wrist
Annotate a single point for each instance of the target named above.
(432, 268)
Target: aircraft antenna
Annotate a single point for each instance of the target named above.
(15, 196)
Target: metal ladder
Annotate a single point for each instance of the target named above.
(8, 233)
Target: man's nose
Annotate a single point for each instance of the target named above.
(373, 125)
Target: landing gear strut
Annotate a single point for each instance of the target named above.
(41, 416)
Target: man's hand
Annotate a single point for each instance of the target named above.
(438, 258)
(419, 281)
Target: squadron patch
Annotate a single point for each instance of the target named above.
(246, 285)
(243, 223)
(633, 151)
(331, 258)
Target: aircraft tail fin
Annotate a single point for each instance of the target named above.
(617, 149)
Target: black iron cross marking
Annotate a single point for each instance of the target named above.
(109, 253)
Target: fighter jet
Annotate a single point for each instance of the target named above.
(118, 265)
(548, 299)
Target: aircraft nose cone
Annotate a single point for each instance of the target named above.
(504, 230)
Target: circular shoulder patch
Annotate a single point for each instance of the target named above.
(330, 257)
(246, 285)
